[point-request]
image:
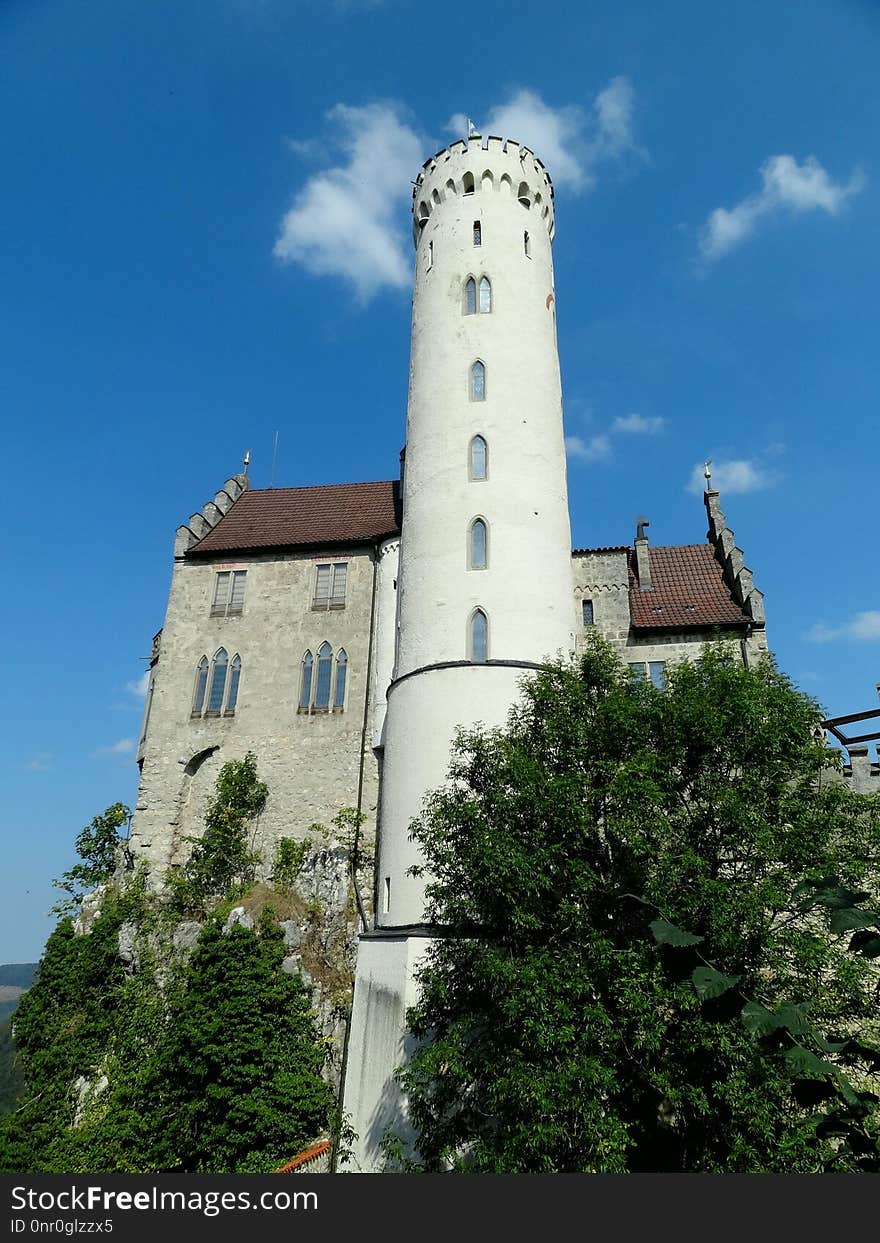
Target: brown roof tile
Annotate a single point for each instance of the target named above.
(688, 590)
(339, 513)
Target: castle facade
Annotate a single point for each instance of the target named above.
(343, 632)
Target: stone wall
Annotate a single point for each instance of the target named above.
(311, 762)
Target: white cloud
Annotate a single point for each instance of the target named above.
(139, 688)
(596, 449)
(863, 627)
(736, 475)
(349, 220)
(638, 425)
(39, 763)
(786, 185)
(570, 140)
(125, 746)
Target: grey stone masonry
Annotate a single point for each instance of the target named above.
(311, 761)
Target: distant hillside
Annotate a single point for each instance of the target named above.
(17, 974)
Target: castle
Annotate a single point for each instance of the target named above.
(343, 632)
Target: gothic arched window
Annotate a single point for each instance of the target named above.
(523, 194)
(467, 183)
(478, 545)
(339, 688)
(323, 678)
(479, 458)
(478, 381)
(201, 687)
(478, 639)
(234, 679)
(305, 683)
(485, 295)
(470, 296)
(218, 682)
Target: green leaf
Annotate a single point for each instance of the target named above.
(710, 983)
(846, 918)
(666, 933)
(801, 1062)
(792, 1017)
(757, 1018)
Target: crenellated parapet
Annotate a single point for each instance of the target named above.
(737, 575)
(200, 523)
(481, 166)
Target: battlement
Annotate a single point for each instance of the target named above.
(199, 524)
(480, 166)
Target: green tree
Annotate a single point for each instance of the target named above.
(222, 862)
(650, 964)
(96, 845)
(236, 1085)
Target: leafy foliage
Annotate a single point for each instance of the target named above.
(290, 855)
(96, 846)
(222, 862)
(659, 954)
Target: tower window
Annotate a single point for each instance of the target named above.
(429, 261)
(339, 688)
(479, 637)
(218, 683)
(467, 183)
(228, 593)
(201, 687)
(478, 542)
(323, 687)
(527, 245)
(523, 195)
(330, 586)
(305, 686)
(470, 296)
(216, 690)
(485, 295)
(479, 458)
(587, 607)
(478, 381)
(234, 679)
(478, 233)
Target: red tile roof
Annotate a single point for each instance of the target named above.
(339, 513)
(688, 590)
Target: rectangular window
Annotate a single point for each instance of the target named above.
(653, 671)
(228, 593)
(587, 606)
(330, 586)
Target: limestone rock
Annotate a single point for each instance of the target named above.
(238, 915)
(186, 935)
(292, 933)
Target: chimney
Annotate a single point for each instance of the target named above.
(643, 559)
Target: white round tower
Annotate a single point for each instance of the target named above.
(485, 584)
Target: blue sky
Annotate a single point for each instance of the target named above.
(192, 259)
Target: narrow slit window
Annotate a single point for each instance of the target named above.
(322, 681)
(527, 244)
(234, 679)
(339, 688)
(478, 233)
(429, 262)
(587, 607)
(479, 458)
(485, 295)
(218, 682)
(470, 296)
(201, 687)
(479, 637)
(478, 545)
(478, 382)
(305, 685)
(386, 896)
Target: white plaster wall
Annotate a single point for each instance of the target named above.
(378, 1044)
(384, 638)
